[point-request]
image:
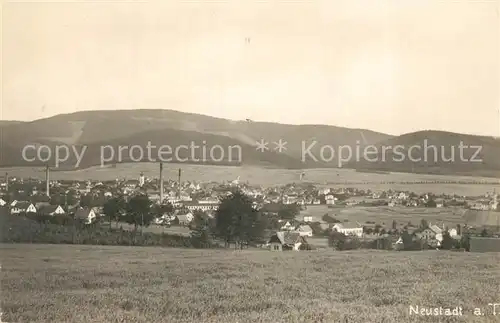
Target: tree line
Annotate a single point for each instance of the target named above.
(235, 222)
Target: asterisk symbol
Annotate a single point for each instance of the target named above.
(280, 145)
(261, 145)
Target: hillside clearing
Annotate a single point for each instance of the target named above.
(64, 283)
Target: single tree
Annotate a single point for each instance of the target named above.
(200, 229)
(424, 224)
(161, 210)
(407, 240)
(86, 201)
(329, 218)
(289, 211)
(337, 240)
(431, 203)
(465, 241)
(138, 211)
(447, 242)
(56, 199)
(70, 198)
(113, 209)
(237, 220)
(394, 225)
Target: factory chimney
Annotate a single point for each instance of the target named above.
(179, 183)
(161, 182)
(47, 180)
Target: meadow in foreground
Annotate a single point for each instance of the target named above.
(66, 283)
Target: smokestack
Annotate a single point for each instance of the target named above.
(179, 190)
(161, 182)
(7, 182)
(47, 180)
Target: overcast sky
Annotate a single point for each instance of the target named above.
(392, 66)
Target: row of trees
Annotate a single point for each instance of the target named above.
(138, 211)
(236, 221)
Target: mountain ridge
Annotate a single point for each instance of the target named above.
(94, 129)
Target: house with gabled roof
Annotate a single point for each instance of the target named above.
(85, 214)
(185, 218)
(304, 230)
(348, 229)
(425, 234)
(287, 226)
(435, 229)
(22, 207)
(286, 240)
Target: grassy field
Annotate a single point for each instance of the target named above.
(63, 283)
(268, 176)
(385, 215)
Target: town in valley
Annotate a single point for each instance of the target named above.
(296, 216)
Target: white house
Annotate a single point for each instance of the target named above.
(304, 230)
(174, 201)
(287, 226)
(208, 201)
(399, 245)
(494, 203)
(185, 218)
(453, 232)
(436, 229)
(402, 196)
(2, 202)
(482, 206)
(286, 241)
(307, 219)
(348, 230)
(86, 214)
(426, 234)
(330, 199)
(164, 219)
(206, 206)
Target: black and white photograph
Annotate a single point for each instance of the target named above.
(224, 161)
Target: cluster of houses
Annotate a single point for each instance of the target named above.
(432, 235)
(205, 196)
(88, 215)
(29, 196)
(306, 230)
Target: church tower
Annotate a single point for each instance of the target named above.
(141, 180)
